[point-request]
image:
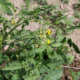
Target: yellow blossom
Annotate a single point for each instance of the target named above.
(40, 31)
(42, 42)
(48, 41)
(40, 35)
(36, 45)
(49, 31)
(13, 22)
(44, 36)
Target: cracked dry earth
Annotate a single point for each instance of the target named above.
(75, 36)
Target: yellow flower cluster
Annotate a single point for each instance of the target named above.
(36, 46)
(48, 31)
(48, 41)
(44, 36)
(13, 22)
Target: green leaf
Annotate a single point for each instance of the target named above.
(55, 74)
(11, 5)
(43, 69)
(64, 40)
(16, 36)
(14, 77)
(56, 7)
(41, 77)
(64, 11)
(71, 19)
(63, 21)
(37, 71)
(54, 63)
(60, 36)
(21, 43)
(47, 23)
(29, 78)
(76, 48)
(28, 12)
(78, 76)
(13, 66)
(1, 77)
(56, 45)
(0, 57)
(40, 49)
(49, 50)
(70, 58)
(72, 28)
(47, 7)
(5, 6)
(28, 3)
(73, 75)
(1, 38)
(71, 43)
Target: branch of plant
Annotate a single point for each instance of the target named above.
(20, 50)
(70, 67)
(14, 28)
(15, 41)
(11, 31)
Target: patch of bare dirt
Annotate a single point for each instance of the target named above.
(75, 66)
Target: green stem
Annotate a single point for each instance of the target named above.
(1, 38)
(12, 52)
(31, 21)
(11, 31)
(20, 50)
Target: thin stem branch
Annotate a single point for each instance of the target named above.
(11, 31)
(20, 50)
(70, 67)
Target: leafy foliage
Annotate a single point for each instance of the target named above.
(71, 43)
(73, 74)
(5, 6)
(34, 55)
